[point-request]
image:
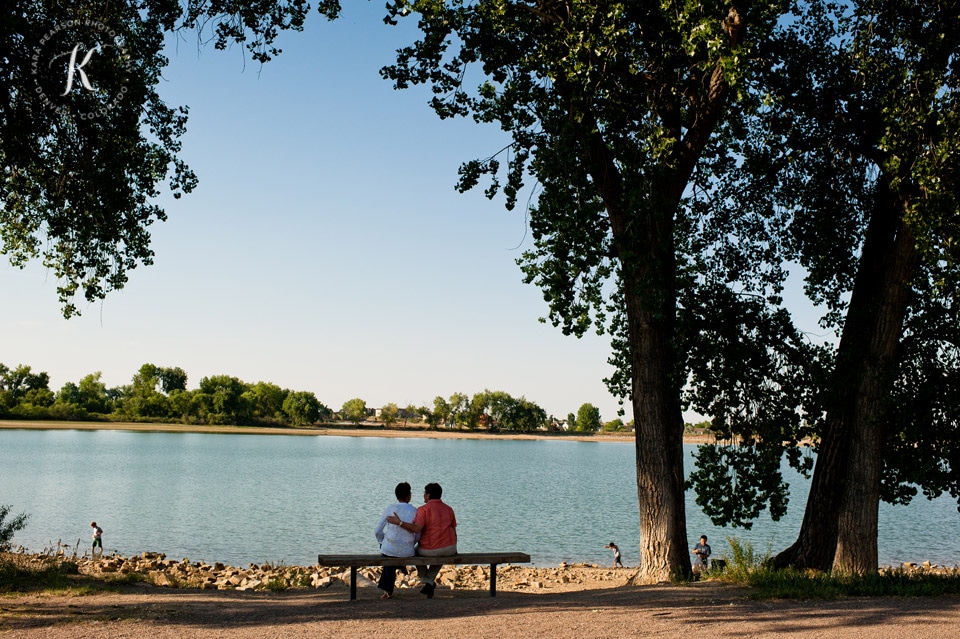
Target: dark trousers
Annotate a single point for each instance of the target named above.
(388, 577)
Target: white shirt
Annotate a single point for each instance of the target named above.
(394, 540)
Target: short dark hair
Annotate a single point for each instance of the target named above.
(703, 537)
(434, 490)
(402, 491)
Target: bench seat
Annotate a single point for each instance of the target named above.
(470, 558)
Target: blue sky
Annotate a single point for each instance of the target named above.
(325, 248)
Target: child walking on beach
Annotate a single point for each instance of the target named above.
(616, 555)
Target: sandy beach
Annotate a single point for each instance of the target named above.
(344, 430)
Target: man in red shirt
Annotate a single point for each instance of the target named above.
(437, 526)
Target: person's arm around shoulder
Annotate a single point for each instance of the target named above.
(415, 526)
(419, 521)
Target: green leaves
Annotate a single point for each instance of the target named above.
(737, 483)
(9, 527)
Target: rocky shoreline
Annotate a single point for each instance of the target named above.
(156, 569)
(153, 568)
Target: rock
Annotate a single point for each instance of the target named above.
(158, 578)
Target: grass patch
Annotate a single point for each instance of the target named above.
(55, 574)
(21, 573)
(745, 567)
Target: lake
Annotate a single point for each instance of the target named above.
(245, 499)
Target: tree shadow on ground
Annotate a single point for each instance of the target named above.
(680, 606)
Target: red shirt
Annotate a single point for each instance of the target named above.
(439, 525)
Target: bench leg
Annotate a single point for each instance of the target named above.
(493, 580)
(353, 583)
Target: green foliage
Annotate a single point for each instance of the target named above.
(523, 415)
(222, 401)
(613, 426)
(266, 400)
(697, 428)
(389, 414)
(499, 410)
(354, 410)
(852, 127)
(746, 567)
(735, 483)
(743, 560)
(588, 419)
(9, 528)
(302, 408)
(19, 574)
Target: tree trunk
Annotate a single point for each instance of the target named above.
(658, 417)
(817, 540)
(858, 525)
(840, 523)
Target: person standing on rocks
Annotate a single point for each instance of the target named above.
(97, 538)
(395, 541)
(437, 526)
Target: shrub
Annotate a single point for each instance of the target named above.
(8, 529)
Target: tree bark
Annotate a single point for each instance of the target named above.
(643, 226)
(840, 524)
(858, 524)
(659, 451)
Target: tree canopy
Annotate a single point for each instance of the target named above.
(611, 107)
(852, 152)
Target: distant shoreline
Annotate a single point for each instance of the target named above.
(369, 430)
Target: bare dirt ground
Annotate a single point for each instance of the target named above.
(590, 609)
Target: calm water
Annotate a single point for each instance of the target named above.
(254, 498)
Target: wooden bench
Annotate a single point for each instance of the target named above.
(472, 558)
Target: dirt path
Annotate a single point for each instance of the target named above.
(698, 611)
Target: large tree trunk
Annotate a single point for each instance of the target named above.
(643, 226)
(840, 524)
(658, 416)
(817, 540)
(858, 525)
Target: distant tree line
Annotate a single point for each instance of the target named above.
(157, 394)
(160, 394)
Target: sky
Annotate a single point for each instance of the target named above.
(325, 248)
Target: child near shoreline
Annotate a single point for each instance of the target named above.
(97, 538)
(616, 555)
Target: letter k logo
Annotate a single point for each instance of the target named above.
(74, 67)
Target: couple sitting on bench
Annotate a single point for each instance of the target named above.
(405, 530)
